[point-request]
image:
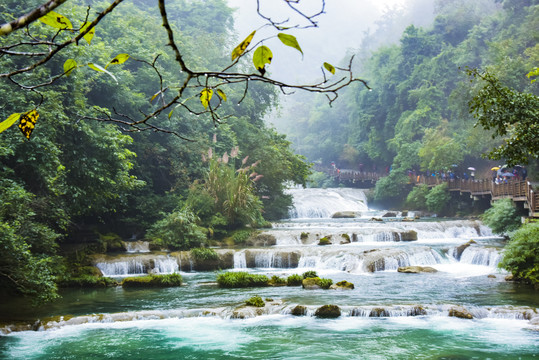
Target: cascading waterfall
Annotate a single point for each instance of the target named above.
(166, 265)
(137, 246)
(323, 203)
(122, 268)
(481, 256)
(240, 262)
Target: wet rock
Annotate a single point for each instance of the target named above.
(379, 312)
(345, 215)
(407, 219)
(346, 239)
(342, 285)
(535, 321)
(299, 310)
(311, 284)
(326, 240)
(389, 214)
(261, 240)
(491, 276)
(460, 249)
(510, 278)
(376, 219)
(328, 312)
(416, 269)
(417, 310)
(410, 235)
(404, 213)
(460, 312)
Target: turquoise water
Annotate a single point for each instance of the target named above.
(201, 321)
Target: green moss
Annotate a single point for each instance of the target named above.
(328, 312)
(313, 283)
(304, 236)
(345, 284)
(325, 283)
(241, 279)
(299, 310)
(277, 281)
(255, 301)
(87, 281)
(346, 237)
(168, 280)
(294, 280)
(310, 274)
(111, 242)
(326, 240)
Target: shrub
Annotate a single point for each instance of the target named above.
(325, 283)
(241, 279)
(277, 281)
(502, 217)
(438, 198)
(294, 280)
(417, 198)
(310, 274)
(168, 280)
(241, 236)
(178, 230)
(204, 254)
(87, 281)
(521, 255)
(255, 301)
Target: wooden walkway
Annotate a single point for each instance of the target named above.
(518, 191)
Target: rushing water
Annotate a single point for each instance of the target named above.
(389, 315)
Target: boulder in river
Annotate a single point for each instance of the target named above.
(345, 215)
(328, 312)
(390, 214)
(460, 312)
(261, 240)
(342, 285)
(409, 235)
(460, 249)
(416, 269)
(299, 310)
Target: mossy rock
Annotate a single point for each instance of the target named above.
(299, 310)
(277, 281)
(345, 215)
(169, 280)
(304, 236)
(416, 269)
(460, 312)
(328, 312)
(342, 285)
(112, 242)
(326, 240)
(417, 310)
(410, 235)
(316, 283)
(379, 312)
(389, 214)
(255, 301)
(346, 238)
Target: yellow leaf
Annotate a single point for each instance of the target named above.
(221, 94)
(90, 34)
(290, 40)
(69, 66)
(329, 68)
(205, 97)
(240, 49)
(28, 123)
(6, 124)
(261, 57)
(119, 59)
(56, 20)
(170, 113)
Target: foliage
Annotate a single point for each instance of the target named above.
(255, 301)
(392, 187)
(178, 230)
(325, 283)
(511, 114)
(204, 254)
(277, 281)
(241, 279)
(309, 274)
(417, 198)
(294, 280)
(167, 280)
(87, 281)
(502, 217)
(438, 198)
(521, 255)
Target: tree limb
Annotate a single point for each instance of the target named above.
(32, 16)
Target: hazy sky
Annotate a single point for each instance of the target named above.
(340, 28)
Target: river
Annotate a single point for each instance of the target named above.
(388, 315)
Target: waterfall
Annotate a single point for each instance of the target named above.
(137, 246)
(122, 268)
(240, 262)
(480, 256)
(323, 203)
(166, 265)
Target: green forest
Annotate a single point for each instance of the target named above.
(428, 108)
(87, 176)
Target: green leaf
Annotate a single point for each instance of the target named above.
(290, 40)
(221, 94)
(205, 97)
(534, 72)
(119, 59)
(56, 20)
(90, 34)
(261, 57)
(240, 49)
(69, 66)
(6, 124)
(100, 69)
(329, 68)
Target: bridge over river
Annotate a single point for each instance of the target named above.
(521, 192)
